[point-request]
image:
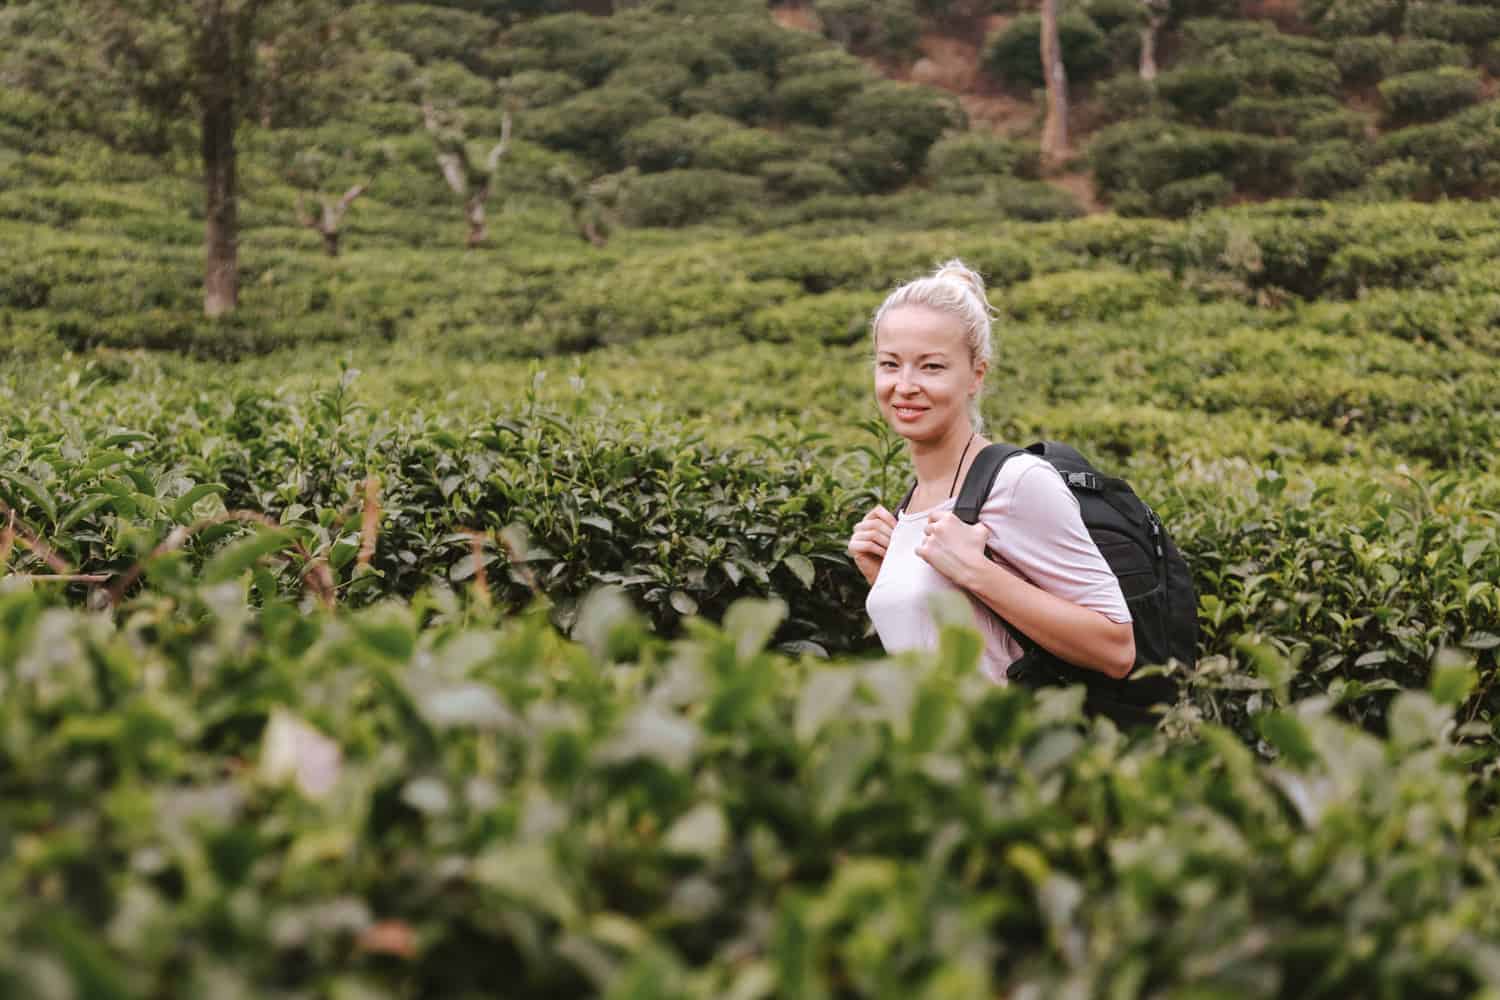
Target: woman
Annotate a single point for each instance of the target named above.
(1029, 559)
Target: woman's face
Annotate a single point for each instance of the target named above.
(924, 377)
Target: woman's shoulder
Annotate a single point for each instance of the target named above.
(1025, 478)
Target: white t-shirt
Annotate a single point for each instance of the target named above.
(1036, 532)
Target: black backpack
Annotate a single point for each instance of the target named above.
(1153, 576)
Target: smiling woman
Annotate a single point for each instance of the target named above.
(1028, 563)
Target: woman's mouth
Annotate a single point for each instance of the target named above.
(908, 412)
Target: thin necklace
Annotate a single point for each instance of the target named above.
(960, 468)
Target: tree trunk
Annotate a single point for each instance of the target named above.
(1055, 131)
(1148, 45)
(221, 277)
(330, 242)
(474, 213)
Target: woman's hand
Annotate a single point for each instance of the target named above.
(953, 548)
(868, 543)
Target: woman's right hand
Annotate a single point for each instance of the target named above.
(868, 543)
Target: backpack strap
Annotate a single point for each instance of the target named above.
(907, 499)
(971, 498)
(981, 479)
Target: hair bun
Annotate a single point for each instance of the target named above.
(957, 270)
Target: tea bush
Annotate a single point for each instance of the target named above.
(1452, 22)
(1411, 55)
(883, 27)
(1011, 54)
(1331, 168)
(1429, 94)
(1363, 60)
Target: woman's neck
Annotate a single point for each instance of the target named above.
(936, 462)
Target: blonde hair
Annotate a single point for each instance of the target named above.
(958, 290)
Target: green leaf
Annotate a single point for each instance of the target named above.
(824, 696)
(683, 603)
(752, 623)
(229, 562)
(1480, 640)
(183, 505)
(1288, 734)
(701, 832)
(83, 510)
(801, 567)
(33, 491)
(1453, 679)
(526, 874)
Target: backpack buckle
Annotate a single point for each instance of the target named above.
(1083, 480)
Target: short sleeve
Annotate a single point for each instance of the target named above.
(1036, 530)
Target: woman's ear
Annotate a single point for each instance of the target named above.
(980, 369)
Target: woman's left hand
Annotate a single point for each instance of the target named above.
(953, 548)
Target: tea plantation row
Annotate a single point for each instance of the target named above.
(1360, 580)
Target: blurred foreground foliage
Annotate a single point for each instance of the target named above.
(423, 799)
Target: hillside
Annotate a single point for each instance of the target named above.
(1243, 101)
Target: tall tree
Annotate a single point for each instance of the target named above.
(1055, 131)
(205, 58)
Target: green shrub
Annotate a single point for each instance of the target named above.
(451, 84)
(1459, 154)
(429, 34)
(538, 88)
(673, 143)
(1199, 93)
(1363, 61)
(1123, 96)
(1276, 69)
(816, 98)
(886, 27)
(683, 197)
(1330, 168)
(968, 154)
(1011, 55)
(576, 44)
(1030, 201)
(665, 82)
(1178, 199)
(1202, 36)
(1344, 18)
(1399, 178)
(1489, 57)
(874, 164)
(836, 317)
(756, 43)
(667, 45)
(594, 122)
(742, 94)
(1112, 14)
(744, 150)
(1453, 22)
(800, 179)
(1342, 124)
(1144, 156)
(1106, 295)
(1278, 116)
(914, 116)
(1413, 54)
(1429, 94)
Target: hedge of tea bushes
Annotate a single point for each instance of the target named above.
(1360, 574)
(425, 799)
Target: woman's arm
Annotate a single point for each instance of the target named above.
(1079, 635)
